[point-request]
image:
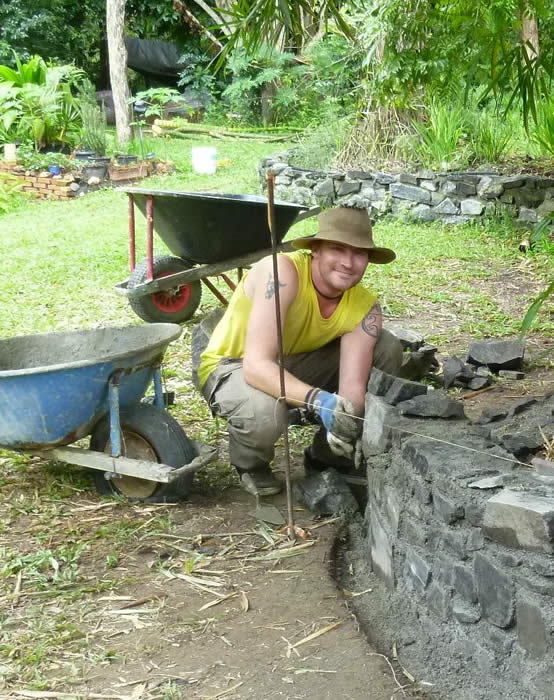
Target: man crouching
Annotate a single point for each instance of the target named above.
(332, 337)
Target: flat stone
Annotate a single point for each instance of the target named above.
(326, 493)
(359, 175)
(532, 634)
(377, 437)
(454, 369)
(510, 374)
(489, 187)
(325, 188)
(347, 187)
(491, 415)
(446, 509)
(429, 185)
(384, 178)
(409, 192)
(489, 482)
(423, 212)
(408, 179)
(418, 570)
(464, 583)
(529, 215)
(447, 206)
(381, 551)
(435, 404)
(439, 600)
(74, 187)
(510, 183)
(404, 389)
(495, 592)
(483, 372)
(449, 187)
(497, 354)
(410, 340)
(466, 188)
(520, 520)
(524, 442)
(464, 613)
(379, 382)
(478, 383)
(472, 207)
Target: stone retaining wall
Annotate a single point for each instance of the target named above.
(461, 543)
(424, 195)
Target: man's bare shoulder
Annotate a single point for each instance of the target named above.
(261, 277)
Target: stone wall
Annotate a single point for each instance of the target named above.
(461, 543)
(424, 195)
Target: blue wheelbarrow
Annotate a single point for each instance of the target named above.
(57, 388)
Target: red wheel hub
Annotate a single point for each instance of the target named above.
(171, 300)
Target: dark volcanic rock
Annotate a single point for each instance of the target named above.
(436, 404)
(454, 369)
(326, 493)
(497, 354)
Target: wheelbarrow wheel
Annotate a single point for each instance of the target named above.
(152, 434)
(174, 305)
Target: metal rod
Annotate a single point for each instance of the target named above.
(215, 291)
(272, 230)
(149, 237)
(132, 249)
(228, 281)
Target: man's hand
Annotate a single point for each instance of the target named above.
(338, 416)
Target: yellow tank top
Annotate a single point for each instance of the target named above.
(304, 330)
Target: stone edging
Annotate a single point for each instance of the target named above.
(461, 543)
(425, 196)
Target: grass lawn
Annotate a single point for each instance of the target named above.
(61, 261)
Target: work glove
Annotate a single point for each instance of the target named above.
(337, 415)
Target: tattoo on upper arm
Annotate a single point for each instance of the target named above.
(370, 322)
(270, 287)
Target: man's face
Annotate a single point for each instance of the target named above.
(339, 266)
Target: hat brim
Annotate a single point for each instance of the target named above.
(377, 256)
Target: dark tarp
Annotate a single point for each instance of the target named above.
(153, 57)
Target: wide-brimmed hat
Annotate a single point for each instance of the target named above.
(350, 227)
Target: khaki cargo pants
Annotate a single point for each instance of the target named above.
(255, 420)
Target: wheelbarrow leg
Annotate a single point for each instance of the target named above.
(158, 389)
(115, 428)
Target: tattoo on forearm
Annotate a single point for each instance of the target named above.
(270, 287)
(370, 323)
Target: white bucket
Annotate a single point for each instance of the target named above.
(10, 152)
(204, 160)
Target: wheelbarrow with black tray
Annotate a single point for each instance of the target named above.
(208, 234)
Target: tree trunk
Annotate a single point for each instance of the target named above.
(530, 33)
(115, 20)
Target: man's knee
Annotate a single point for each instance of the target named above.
(388, 353)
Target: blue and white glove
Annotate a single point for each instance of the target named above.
(337, 415)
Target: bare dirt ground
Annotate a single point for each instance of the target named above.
(101, 598)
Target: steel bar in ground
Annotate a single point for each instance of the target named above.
(272, 230)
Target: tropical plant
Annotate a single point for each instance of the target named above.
(489, 135)
(93, 120)
(544, 128)
(155, 100)
(438, 138)
(10, 195)
(37, 103)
